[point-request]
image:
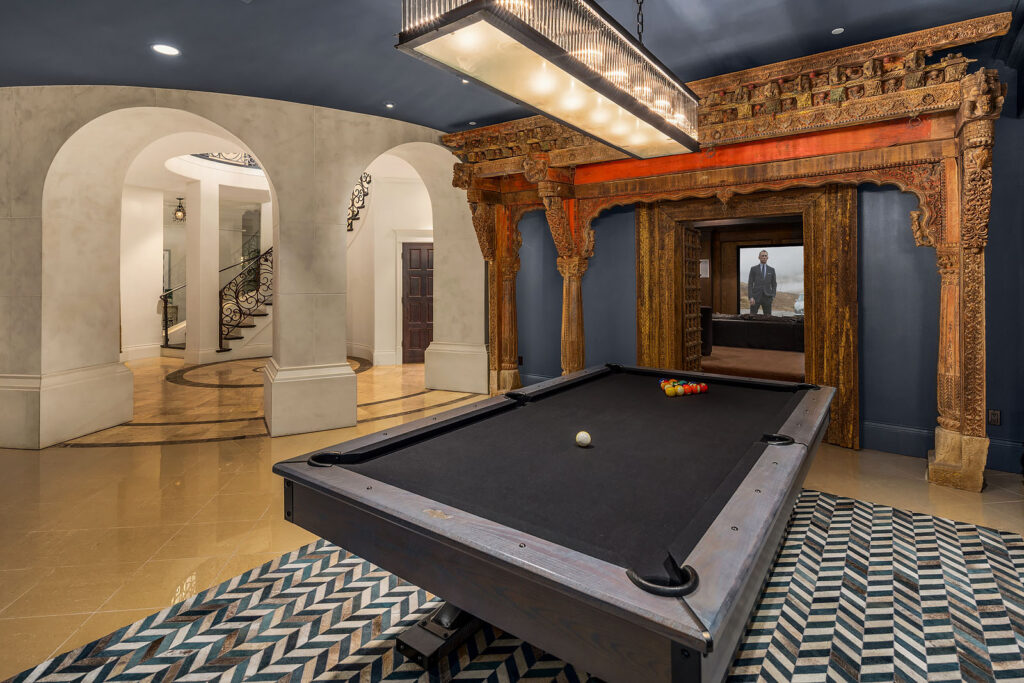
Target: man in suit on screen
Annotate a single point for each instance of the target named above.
(761, 285)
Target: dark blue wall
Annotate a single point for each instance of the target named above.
(899, 310)
(538, 301)
(1004, 282)
(899, 323)
(609, 290)
(609, 296)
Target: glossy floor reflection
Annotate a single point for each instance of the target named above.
(94, 538)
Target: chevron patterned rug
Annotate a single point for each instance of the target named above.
(859, 592)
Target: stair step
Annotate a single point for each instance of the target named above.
(258, 315)
(179, 347)
(244, 326)
(224, 350)
(234, 336)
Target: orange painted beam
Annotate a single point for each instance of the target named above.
(856, 139)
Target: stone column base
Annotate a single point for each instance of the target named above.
(308, 399)
(37, 411)
(958, 461)
(508, 380)
(456, 367)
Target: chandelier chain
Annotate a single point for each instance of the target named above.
(640, 21)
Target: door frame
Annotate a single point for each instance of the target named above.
(831, 337)
(405, 237)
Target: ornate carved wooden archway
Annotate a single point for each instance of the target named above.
(926, 128)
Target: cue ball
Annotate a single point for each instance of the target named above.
(582, 439)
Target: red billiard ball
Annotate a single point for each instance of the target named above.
(703, 387)
(687, 389)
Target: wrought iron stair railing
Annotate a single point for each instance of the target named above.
(245, 295)
(165, 302)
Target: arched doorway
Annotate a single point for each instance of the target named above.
(88, 388)
(432, 210)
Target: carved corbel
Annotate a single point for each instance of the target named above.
(982, 103)
(554, 196)
(535, 167)
(982, 96)
(483, 224)
(462, 176)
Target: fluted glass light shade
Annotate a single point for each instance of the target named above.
(566, 59)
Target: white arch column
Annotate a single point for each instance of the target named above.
(309, 385)
(202, 261)
(456, 359)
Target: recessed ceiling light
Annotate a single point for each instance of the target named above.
(389, 105)
(168, 50)
(465, 80)
(837, 30)
(472, 123)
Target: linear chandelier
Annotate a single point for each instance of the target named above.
(567, 59)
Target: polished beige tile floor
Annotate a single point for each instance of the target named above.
(95, 537)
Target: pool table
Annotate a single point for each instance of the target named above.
(638, 558)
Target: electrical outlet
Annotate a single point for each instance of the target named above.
(994, 417)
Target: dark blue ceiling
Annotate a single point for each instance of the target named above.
(340, 53)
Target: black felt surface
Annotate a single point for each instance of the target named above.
(649, 479)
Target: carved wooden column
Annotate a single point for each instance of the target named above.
(572, 269)
(484, 225)
(961, 444)
(508, 240)
(575, 246)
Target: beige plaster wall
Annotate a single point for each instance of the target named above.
(66, 152)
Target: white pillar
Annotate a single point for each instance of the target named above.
(309, 385)
(202, 261)
(266, 226)
(142, 242)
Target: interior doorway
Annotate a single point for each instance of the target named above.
(417, 300)
(752, 293)
(828, 217)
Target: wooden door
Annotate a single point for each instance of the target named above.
(417, 300)
(691, 298)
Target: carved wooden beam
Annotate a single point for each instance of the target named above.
(874, 81)
(926, 41)
(534, 135)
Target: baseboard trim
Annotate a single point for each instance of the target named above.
(308, 398)
(529, 379)
(140, 351)
(456, 367)
(383, 357)
(1006, 456)
(1003, 455)
(891, 438)
(360, 351)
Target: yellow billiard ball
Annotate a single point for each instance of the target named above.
(582, 439)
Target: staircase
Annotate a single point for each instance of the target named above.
(246, 314)
(245, 305)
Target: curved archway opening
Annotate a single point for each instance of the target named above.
(412, 202)
(227, 209)
(83, 203)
